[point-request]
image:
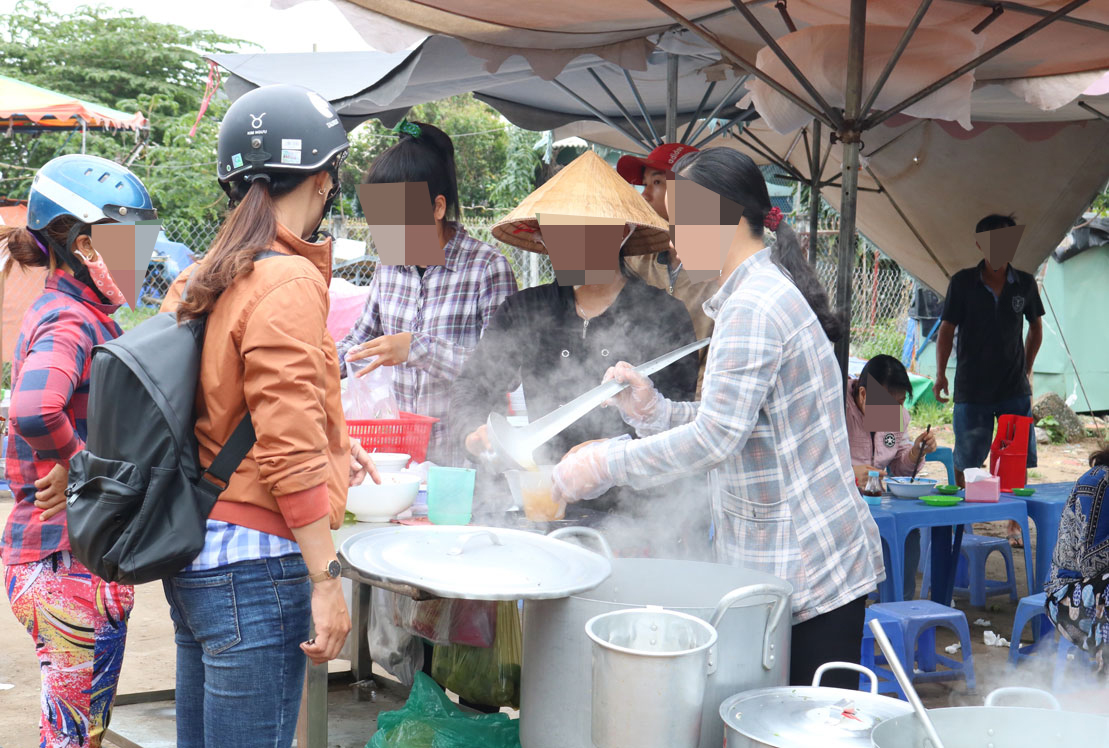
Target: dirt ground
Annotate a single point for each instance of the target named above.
(149, 661)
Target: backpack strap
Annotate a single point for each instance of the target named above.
(241, 440)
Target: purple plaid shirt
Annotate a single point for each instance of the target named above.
(446, 310)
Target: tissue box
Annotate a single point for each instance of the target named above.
(983, 489)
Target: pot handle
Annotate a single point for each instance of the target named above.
(846, 666)
(583, 532)
(997, 694)
(468, 540)
(779, 591)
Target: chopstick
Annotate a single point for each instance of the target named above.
(920, 457)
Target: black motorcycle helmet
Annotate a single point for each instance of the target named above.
(280, 129)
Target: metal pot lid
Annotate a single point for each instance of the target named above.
(476, 563)
(786, 717)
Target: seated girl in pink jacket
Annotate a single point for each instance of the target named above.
(888, 452)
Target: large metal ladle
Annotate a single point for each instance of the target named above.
(516, 445)
(903, 680)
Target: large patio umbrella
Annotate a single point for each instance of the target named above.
(833, 63)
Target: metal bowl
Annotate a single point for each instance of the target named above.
(902, 488)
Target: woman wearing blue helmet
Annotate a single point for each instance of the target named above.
(77, 620)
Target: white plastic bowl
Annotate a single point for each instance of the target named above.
(371, 502)
(390, 462)
(903, 489)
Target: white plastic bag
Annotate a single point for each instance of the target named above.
(369, 398)
(398, 652)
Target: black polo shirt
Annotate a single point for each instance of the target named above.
(990, 350)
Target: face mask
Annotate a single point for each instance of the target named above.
(107, 287)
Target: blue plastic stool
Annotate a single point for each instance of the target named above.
(916, 620)
(1068, 653)
(871, 657)
(970, 574)
(1030, 610)
(947, 457)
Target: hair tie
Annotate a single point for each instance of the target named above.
(404, 127)
(773, 218)
(39, 242)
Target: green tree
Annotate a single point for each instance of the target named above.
(128, 62)
(481, 144)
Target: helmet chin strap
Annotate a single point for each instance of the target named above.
(317, 233)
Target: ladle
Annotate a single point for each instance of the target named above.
(903, 681)
(516, 445)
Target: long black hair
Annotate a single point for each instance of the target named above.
(427, 158)
(735, 176)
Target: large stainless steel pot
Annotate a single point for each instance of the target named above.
(992, 726)
(808, 716)
(750, 611)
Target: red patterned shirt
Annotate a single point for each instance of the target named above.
(50, 392)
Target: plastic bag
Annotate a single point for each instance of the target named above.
(369, 398)
(397, 651)
(430, 720)
(471, 622)
(485, 675)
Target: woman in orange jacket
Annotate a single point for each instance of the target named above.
(268, 569)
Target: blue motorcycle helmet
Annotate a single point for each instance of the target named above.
(90, 189)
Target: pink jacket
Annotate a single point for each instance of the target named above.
(882, 449)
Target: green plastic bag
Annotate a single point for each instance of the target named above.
(485, 675)
(431, 720)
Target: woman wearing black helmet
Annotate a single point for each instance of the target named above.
(242, 609)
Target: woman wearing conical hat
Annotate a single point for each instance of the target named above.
(558, 339)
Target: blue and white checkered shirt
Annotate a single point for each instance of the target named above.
(770, 432)
(225, 544)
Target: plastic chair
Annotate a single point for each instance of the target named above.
(947, 457)
(1030, 610)
(1068, 653)
(911, 626)
(970, 574)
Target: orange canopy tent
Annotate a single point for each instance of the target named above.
(31, 108)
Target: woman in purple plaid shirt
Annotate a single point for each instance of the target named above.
(77, 621)
(435, 288)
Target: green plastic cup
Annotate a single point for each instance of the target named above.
(450, 495)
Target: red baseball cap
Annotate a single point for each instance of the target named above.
(662, 158)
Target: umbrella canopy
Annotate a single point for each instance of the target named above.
(27, 107)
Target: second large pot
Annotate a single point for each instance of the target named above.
(750, 611)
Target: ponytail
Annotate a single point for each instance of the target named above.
(788, 255)
(31, 250)
(250, 228)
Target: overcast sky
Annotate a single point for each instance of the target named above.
(293, 30)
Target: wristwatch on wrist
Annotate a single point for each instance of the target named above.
(331, 572)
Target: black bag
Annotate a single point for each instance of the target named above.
(138, 500)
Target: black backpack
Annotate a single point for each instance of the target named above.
(138, 500)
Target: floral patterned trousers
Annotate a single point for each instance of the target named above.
(79, 625)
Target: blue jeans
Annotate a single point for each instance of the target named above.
(974, 425)
(240, 670)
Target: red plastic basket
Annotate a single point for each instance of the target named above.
(408, 434)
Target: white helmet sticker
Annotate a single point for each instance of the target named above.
(321, 104)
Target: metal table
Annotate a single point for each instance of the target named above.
(896, 518)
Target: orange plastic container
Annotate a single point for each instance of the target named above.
(408, 434)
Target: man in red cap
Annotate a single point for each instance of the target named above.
(662, 270)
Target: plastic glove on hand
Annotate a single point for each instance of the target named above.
(583, 473)
(640, 403)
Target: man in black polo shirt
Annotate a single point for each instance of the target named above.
(993, 370)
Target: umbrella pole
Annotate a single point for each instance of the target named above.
(671, 98)
(814, 193)
(849, 136)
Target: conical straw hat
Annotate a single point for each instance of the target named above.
(586, 187)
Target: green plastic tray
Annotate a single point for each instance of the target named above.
(935, 500)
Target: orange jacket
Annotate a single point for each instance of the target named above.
(267, 348)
